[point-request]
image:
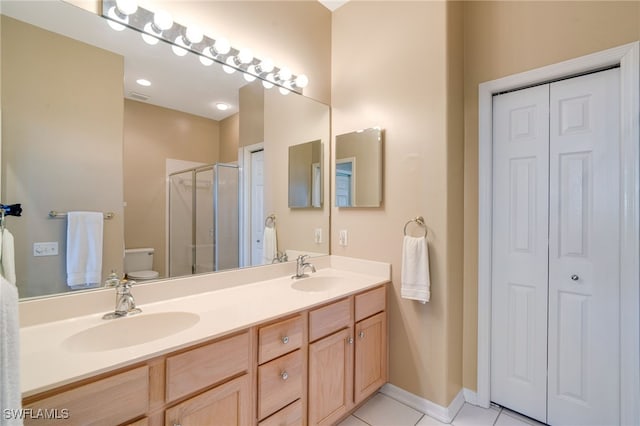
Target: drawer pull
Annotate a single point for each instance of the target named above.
(350, 340)
(361, 334)
(284, 375)
(285, 340)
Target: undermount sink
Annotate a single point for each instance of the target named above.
(129, 331)
(311, 284)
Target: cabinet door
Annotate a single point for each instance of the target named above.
(228, 404)
(331, 377)
(371, 356)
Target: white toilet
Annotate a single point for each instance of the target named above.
(138, 263)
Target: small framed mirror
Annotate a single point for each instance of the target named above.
(305, 175)
(358, 170)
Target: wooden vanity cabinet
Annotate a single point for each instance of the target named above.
(313, 367)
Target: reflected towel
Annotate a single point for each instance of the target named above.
(7, 257)
(269, 245)
(84, 249)
(416, 283)
(10, 397)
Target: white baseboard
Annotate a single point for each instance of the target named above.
(471, 396)
(443, 414)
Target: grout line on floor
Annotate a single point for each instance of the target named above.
(421, 417)
(499, 414)
(362, 420)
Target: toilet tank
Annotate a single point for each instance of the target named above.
(138, 259)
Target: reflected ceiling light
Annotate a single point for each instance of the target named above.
(143, 82)
(222, 106)
(159, 25)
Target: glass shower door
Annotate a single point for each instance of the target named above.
(181, 223)
(204, 221)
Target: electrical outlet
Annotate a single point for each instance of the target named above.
(343, 238)
(45, 249)
(318, 236)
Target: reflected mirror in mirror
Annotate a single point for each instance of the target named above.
(359, 168)
(79, 134)
(305, 175)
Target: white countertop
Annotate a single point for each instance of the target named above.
(47, 363)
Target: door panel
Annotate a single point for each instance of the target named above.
(584, 282)
(520, 258)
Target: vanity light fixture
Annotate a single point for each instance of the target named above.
(159, 25)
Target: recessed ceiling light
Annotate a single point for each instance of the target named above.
(222, 106)
(143, 82)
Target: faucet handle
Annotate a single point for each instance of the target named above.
(302, 258)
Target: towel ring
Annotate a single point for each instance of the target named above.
(270, 220)
(420, 221)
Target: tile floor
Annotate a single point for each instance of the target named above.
(382, 410)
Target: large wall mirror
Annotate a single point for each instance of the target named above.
(358, 168)
(187, 182)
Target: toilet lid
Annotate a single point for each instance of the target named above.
(143, 275)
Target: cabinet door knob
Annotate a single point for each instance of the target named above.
(350, 340)
(284, 375)
(574, 277)
(361, 335)
(285, 340)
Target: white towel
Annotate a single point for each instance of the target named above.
(10, 397)
(7, 257)
(415, 280)
(84, 249)
(269, 245)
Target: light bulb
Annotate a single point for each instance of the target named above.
(268, 83)
(286, 88)
(249, 75)
(302, 81)
(222, 106)
(230, 67)
(143, 82)
(180, 47)
(245, 56)
(163, 20)
(207, 58)
(266, 65)
(127, 7)
(148, 38)
(194, 34)
(113, 15)
(284, 74)
(222, 46)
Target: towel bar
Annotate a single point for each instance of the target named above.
(54, 215)
(420, 221)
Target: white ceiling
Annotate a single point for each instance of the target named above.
(180, 83)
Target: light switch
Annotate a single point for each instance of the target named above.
(318, 236)
(343, 237)
(45, 249)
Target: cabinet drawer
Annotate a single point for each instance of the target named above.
(328, 319)
(112, 400)
(228, 404)
(279, 338)
(279, 383)
(370, 303)
(196, 369)
(288, 416)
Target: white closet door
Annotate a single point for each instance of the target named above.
(520, 251)
(584, 281)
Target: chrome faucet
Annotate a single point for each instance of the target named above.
(301, 265)
(125, 303)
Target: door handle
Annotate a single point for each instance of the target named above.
(574, 277)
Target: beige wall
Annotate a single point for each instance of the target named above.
(62, 146)
(151, 136)
(229, 139)
(503, 38)
(291, 120)
(402, 81)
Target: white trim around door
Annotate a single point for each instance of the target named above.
(628, 58)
